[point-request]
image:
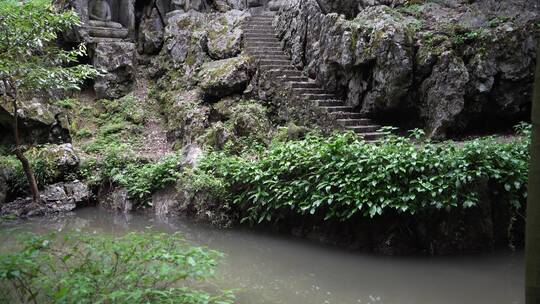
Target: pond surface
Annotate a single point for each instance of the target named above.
(278, 269)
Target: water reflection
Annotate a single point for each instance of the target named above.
(276, 269)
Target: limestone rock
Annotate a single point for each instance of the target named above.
(39, 122)
(221, 6)
(224, 77)
(117, 60)
(151, 30)
(185, 42)
(187, 116)
(390, 58)
(63, 159)
(191, 155)
(274, 5)
(114, 198)
(237, 4)
(164, 201)
(444, 93)
(56, 198)
(225, 35)
(193, 38)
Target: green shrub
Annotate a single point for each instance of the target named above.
(117, 121)
(342, 176)
(87, 268)
(83, 133)
(46, 170)
(140, 178)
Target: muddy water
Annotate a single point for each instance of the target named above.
(277, 269)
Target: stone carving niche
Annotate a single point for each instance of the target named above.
(108, 19)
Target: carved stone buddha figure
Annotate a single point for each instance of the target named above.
(101, 22)
(99, 10)
(186, 5)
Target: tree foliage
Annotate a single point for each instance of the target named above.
(33, 63)
(31, 60)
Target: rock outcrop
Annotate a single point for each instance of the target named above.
(51, 163)
(187, 116)
(62, 160)
(115, 198)
(194, 38)
(116, 60)
(39, 122)
(56, 198)
(225, 77)
(150, 39)
(225, 35)
(394, 57)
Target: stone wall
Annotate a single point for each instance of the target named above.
(450, 65)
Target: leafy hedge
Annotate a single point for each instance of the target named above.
(342, 176)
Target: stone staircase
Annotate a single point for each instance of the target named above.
(261, 43)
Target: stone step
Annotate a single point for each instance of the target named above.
(259, 27)
(259, 33)
(319, 96)
(292, 72)
(272, 41)
(338, 109)
(251, 48)
(259, 23)
(347, 115)
(249, 39)
(279, 69)
(262, 15)
(371, 136)
(268, 54)
(293, 78)
(364, 129)
(329, 102)
(264, 44)
(275, 62)
(266, 31)
(347, 122)
(304, 84)
(105, 32)
(308, 90)
(272, 57)
(263, 30)
(261, 18)
(103, 40)
(254, 53)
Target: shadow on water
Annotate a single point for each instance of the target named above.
(277, 269)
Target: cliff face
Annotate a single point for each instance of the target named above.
(450, 65)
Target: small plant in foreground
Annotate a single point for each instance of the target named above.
(134, 268)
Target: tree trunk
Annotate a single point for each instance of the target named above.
(20, 155)
(532, 242)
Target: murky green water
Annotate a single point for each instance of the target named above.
(277, 269)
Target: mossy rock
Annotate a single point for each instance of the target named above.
(225, 77)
